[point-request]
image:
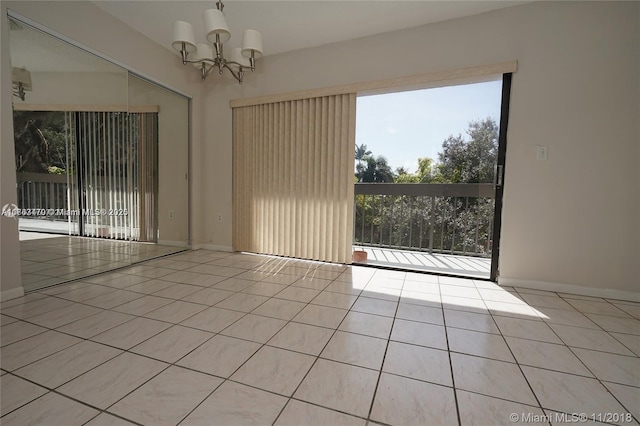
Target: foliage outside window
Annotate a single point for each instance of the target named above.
(439, 224)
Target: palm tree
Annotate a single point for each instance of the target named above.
(361, 153)
(377, 170)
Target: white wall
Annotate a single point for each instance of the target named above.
(9, 247)
(575, 219)
(77, 88)
(571, 223)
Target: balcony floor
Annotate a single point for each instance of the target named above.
(466, 266)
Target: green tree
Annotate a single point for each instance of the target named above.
(402, 175)
(472, 159)
(425, 170)
(362, 152)
(466, 225)
(459, 225)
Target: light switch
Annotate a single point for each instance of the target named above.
(542, 152)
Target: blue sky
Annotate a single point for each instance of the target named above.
(405, 126)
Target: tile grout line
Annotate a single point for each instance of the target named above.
(56, 392)
(317, 357)
(547, 369)
(228, 379)
(520, 367)
(453, 377)
(600, 381)
(219, 333)
(169, 365)
(375, 389)
(179, 323)
(124, 350)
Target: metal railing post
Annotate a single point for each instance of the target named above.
(432, 223)
(410, 221)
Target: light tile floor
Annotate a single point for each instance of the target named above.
(211, 338)
(49, 259)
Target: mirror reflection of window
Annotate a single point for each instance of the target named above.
(101, 162)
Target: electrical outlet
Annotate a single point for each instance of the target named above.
(172, 215)
(219, 217)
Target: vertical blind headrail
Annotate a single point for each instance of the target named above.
(410, 82)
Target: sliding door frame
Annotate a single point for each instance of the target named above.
(500, 173)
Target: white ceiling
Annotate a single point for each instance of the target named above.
(285, 25)
(292, 25)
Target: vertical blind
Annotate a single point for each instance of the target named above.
(113, 178)
(293, 178)
(100, 174)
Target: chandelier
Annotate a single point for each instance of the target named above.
(209, 57)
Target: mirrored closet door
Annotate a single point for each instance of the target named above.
(101, 162)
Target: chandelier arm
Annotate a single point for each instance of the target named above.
(239, 75)
(252, 61)
(213, 61)
(206, 72)
(184, 53)
(219, 47)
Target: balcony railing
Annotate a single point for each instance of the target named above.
(42, 193)
(435, 218)
(49, 197)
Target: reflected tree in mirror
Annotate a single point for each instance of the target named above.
(40, 141)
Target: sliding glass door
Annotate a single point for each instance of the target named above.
(88, 173)
(429, 173)
(42, 140)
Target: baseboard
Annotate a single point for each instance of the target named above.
(606, 293)
(212, 247)
(12, 293)
(172, 243)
